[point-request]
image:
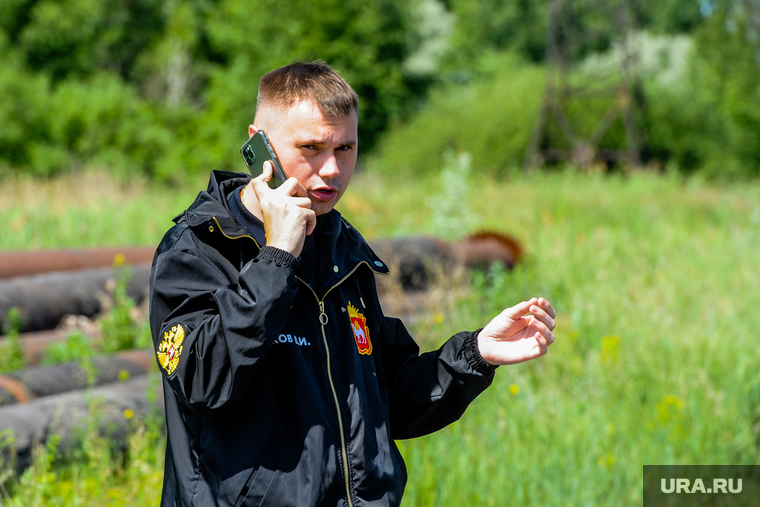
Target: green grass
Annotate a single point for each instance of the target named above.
(87, 209)
(654, 282)
(655, 361)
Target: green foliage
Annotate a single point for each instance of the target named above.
(668, 16)
(76, 38)
(118, 327)
(521, 26)
(11, 352)
(710, 120)
(481, 26)
(76, 347)
(167, 88)
(653, 278)
(98, 474)
(730, 70)
(492, 119)
(364, 41)
(97, 120)
(89, 209)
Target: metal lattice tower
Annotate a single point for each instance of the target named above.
(574, 26)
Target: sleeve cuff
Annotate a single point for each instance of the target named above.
(279, 257)
(473, 357)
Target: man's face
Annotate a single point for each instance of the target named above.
(319, 152)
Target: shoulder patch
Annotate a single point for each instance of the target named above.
(361, 332)
(170, 347)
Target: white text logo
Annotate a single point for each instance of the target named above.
(698, 486)
(286, 338)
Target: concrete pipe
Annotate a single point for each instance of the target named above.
(44, 299)
(113, 409)
(28, 384)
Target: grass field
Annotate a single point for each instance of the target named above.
(654, 279)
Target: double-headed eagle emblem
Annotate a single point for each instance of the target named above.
(170, 348)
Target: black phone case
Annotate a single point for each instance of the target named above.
(258, 150)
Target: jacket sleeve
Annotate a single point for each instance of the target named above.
(227, 328)
(428, 391)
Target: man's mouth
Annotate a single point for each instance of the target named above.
(325, 194)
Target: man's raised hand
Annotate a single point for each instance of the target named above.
(286, 212)
(520, 333)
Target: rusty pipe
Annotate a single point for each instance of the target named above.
(34, 382)
(413, 260)
(482, 249)
(48, 261)
(114, 408)
(46, 298)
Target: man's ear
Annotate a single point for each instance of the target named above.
(252, 129)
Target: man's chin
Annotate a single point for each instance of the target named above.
(323, 207)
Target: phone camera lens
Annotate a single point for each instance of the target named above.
(249, 155)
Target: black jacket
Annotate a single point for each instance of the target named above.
(281, 393)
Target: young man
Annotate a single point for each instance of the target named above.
(284, 383)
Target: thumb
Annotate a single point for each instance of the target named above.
(519, 309)
(261, 181)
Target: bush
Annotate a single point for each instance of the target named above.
(709, 121)
(50, 129)
(492, 119)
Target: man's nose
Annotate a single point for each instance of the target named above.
(330, 168)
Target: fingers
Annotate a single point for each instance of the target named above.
(544, 304)
(543, 333)
(294, 188)
(311, 222)
(543, 319)
(542, 315)
(519, 309)
(538, 307)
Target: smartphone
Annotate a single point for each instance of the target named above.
(258, 150)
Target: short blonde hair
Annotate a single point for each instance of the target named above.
(315, 82)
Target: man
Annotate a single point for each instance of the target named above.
(284, 383)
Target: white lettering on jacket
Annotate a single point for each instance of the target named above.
(287, 338)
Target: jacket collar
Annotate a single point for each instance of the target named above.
(211, 204)
(338, 244)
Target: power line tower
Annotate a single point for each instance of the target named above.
(577, 28)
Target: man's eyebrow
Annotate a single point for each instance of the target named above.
(318, 142)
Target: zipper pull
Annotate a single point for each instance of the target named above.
(322, 315)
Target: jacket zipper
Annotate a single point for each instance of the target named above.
(323, 319)
(344, 447)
